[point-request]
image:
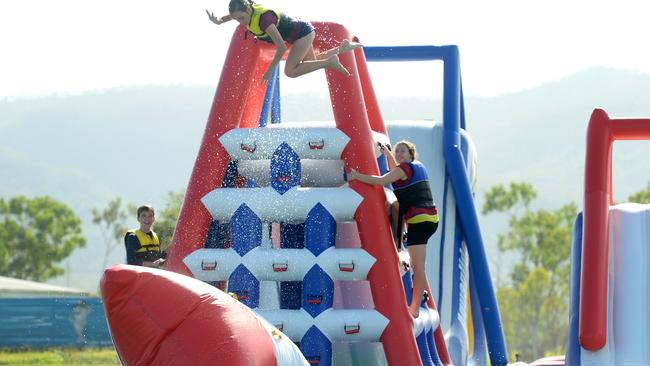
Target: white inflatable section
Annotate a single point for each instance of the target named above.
(261, 143)
(319, 146)
(352, 325)
(628, 307)
(286, 351)
(314, 173)
(427, 137)
(428, 320)
(295, 203)
(267, 264)
(287, 127)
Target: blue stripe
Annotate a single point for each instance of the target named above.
(404, 53)
(441, 257)
(423, 347)
(464, 149)
(269, 99)
(276, 111)
(573, 343)
(462, 107)
(458, 252)
(479, 353)
(466, 206)
(456, 288)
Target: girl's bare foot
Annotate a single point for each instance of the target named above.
(414, 313)
(347, 45)
(335, 64)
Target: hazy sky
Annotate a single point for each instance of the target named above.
(71, 46)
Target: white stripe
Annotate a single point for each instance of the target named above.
(293, 205)
(261, 143)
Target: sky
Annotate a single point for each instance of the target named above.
(74, 46)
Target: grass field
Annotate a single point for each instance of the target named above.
(60, 356)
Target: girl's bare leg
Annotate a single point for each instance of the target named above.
(301, 59)
(345, 46)
(418, 254)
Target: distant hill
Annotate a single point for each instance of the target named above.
(141, 142)
(539, 134)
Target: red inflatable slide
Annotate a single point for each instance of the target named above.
(194, 323)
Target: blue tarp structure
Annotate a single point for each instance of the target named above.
(38, 322)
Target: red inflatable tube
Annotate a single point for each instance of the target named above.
(158, 317)
(601, 134)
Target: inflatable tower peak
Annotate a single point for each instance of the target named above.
(225, 232)
(268, 214)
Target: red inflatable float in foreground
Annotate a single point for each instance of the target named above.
(158, 317)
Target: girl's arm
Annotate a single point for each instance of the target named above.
(390, 158)
(392, 176)
(217, 20)
(276, 37)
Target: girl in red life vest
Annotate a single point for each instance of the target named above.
(274, 27)
(410, 182)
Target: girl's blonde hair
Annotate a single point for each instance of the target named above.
(410, 146)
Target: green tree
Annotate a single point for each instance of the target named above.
(500, 199)
(167, 217)
(35, 235)
(112, 224)
(642, 196)
(534, 303)
(533, 316)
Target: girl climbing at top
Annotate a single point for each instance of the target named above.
(274, 27)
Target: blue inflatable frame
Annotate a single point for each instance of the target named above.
(453, 122)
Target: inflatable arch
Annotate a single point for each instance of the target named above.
(608, 320)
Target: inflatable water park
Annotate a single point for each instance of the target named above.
(306, 260)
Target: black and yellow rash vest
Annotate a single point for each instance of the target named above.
(149, 248)
(284, 24)
(414, 195)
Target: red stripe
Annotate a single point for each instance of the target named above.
(351, 118)
(237, 77)
(242, 70)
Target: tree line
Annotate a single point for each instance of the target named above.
(37, 234)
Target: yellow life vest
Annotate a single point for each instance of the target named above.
(147, 243)
(254, 24)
